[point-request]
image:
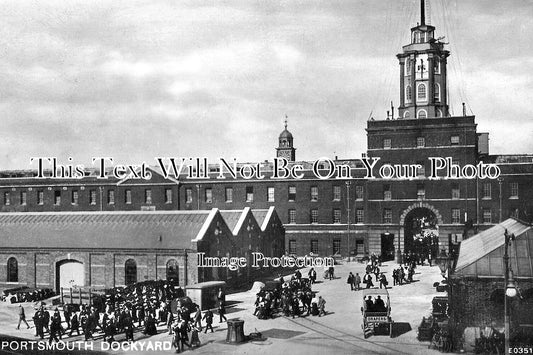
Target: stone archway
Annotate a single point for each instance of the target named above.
(419, 224)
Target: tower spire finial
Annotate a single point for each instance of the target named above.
(286, 121)
(422, 13)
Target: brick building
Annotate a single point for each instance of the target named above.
(117, 248)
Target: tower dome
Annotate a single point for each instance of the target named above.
(285, 148)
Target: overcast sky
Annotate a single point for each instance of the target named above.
(134, 80)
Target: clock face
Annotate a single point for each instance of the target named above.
(284, 154)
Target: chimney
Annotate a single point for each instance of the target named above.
(422, 13)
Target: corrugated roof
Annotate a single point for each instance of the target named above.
(124, 229)
(481, 244)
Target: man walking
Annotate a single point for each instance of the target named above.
(22, 317)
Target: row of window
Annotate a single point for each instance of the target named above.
(291, 196)
(130, 271)
(336, 247)
(75, 195)
(336, 216)
(421, 92)
(420, 142)
(486, 191)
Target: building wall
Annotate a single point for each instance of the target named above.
(103, 269)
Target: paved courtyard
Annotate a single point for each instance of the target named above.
(339, 332)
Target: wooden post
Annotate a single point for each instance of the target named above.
(70, 289)
(61, 292)
(79, 295)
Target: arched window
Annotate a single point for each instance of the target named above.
(406, 114)
(408, 93)
(130, 272)
(439, 113)
(422, 114)
(436, 94)
(12, 270)
(173, 271)
(421, 92)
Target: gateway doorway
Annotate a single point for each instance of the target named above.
(69, 273)
(387, 246)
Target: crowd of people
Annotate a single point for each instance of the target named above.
(292, 298)
(26, 294)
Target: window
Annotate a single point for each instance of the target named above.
(314, 246)
(23, 199)
(487, 216)
(74, 197)
(336, 216)
(487, 190)
(454, 140)
(421, 172)
(292, 193)
(57, 197)
(514, 212)
(436, 94)
(359, 246)
(249, 194)
(148, 196)
(359, 192)
(92, 197)
(314, 193)
(271, 194)
(292, 216)
(127, 197)
(406, 114)
(229, 194)
(110, 197)
(130, 272)
(208, 195)
(40, 197)
(173, 271)
(420, 142)
(336, 193)
(408, 93)
(7, 200)
(336, 246)
(292, 246)
(456, 192)
(12, 270)
(188, 195)
(386, 143)
(168, 195)
(422, 114)
(436, 65)
(514, 189)
(421, 95)
(387, 195)
(420, 192)
(387, 216)
(360, 216)
(314, 216)
(408, 67)
(456, 215)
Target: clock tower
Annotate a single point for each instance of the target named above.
(285, 148)
(423, 91)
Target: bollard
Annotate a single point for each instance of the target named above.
(235, 331)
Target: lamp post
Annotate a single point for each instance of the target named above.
(510, 287)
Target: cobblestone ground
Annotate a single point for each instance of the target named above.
(339, 332)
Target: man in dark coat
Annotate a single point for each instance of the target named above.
(208, 317)
(74, 324)
(55, 327)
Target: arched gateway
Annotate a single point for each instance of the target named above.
(69, 273)
(420, 229)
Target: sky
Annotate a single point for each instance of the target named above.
(134, 80)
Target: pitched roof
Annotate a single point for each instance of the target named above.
(263, 217)
(232, 218)
(481, 244)
(116, 229)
